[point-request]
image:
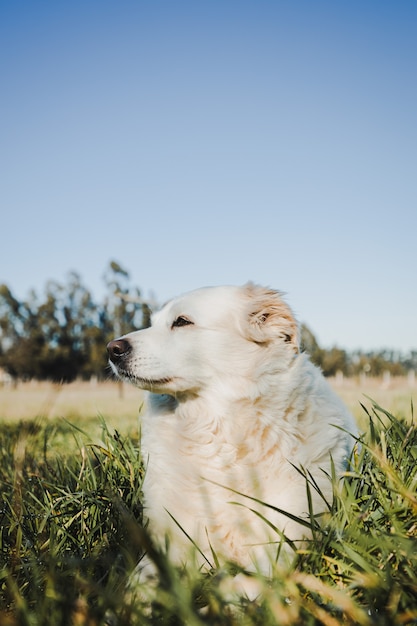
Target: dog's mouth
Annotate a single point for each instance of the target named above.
(144, 383)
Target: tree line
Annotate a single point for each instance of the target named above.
(373, 363)
(62, 335)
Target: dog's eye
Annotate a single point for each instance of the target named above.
(181, 321)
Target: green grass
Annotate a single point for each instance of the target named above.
(71, 533)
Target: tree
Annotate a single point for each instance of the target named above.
(21, 339)
(49, 338)
(308, 343)
(125, 309)
(63, 334)
(333, 361)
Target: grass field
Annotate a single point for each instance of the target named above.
(394, 395)
(119, 403)
(70, 521)
(84, 405)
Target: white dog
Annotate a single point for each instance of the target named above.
(234, 410)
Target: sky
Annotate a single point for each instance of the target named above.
(212, 142)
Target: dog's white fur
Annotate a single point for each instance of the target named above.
(233, 408)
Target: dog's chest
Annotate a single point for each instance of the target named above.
(189, 457)
(195, 471)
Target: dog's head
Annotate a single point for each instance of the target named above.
(208, 338)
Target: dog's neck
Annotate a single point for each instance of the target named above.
(224, 411)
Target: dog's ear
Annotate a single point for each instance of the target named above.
(270, 317)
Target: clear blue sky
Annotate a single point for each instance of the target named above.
(210, 142)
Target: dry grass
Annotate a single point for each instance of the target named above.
(395, 395)
(82, 402)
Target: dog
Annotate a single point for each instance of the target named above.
(237, 422)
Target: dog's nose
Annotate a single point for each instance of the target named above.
(118, 349)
